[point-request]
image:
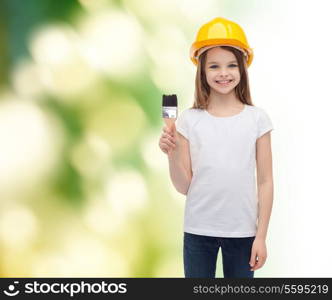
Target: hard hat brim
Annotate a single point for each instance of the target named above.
(199, 47)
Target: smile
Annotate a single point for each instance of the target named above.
(224, 82)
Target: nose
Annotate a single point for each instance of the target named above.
(223, 72)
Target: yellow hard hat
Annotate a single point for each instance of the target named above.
(220, 32)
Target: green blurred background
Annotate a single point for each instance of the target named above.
(84, 187)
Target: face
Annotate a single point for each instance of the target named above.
(221, 65)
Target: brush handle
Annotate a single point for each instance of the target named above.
(169, 122)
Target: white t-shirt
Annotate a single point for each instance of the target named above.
(222, 199)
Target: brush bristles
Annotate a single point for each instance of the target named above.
(170, 100)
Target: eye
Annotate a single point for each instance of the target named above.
(231, 65)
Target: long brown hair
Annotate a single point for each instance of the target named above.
(202, 89)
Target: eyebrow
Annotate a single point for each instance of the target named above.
(214, 62)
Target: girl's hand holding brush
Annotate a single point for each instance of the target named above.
(168, 140)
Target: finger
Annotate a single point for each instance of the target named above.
(166, 135)
(169, 134)
(172, 129)
(168, 142)
(163, 146)
(257, 265)
(254, 267)
(170, 138)
(167, 130)
(260, 262)
(252, 258)
(167, 147)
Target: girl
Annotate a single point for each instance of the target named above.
(213, 151)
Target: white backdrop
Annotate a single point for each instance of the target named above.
(290, 79)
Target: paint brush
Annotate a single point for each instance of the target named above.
(170, 112)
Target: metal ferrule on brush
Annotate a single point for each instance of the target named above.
(170, 112)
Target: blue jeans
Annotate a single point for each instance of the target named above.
(200, 256)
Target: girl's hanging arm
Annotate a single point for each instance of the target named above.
(180, 164)
(264, 183)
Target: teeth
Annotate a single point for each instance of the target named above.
(224, 81)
